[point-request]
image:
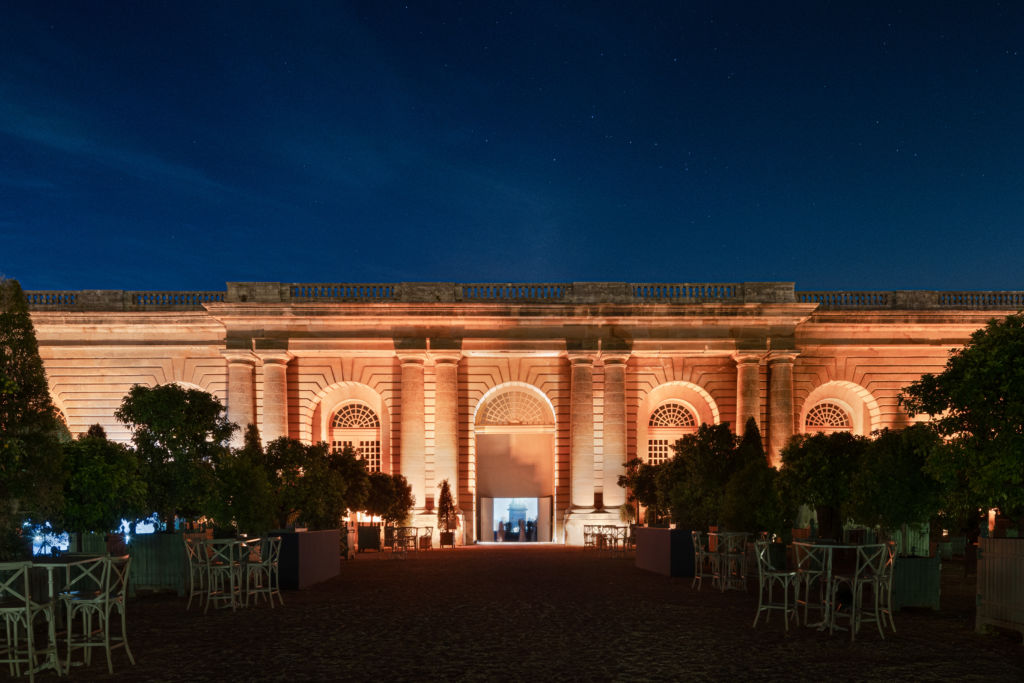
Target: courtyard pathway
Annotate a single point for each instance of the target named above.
(537, 613)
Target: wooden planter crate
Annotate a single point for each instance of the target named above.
(1000, 584)
(916, 582)
(665, 551)
(309, 557)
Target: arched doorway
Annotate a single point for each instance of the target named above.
(515, 465)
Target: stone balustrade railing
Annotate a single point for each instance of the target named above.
(119, 300)
(913, 300)
(531, 293)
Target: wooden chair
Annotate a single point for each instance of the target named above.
(82, 601)
(196, 555)
(703, 561)
(223, 573)
(589, 537)
(19, 612)
(405, 540)
(811, 588)
(867, 572)
(426, 538)
(883, 586)
(768, 577)
(262, 577)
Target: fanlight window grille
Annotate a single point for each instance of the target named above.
(668, 423)
(827, 417)
(355, 416)
(515, 408)
(672, 415)
(356, 426)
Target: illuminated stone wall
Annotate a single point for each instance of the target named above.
(600, 356)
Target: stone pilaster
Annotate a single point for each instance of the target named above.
(241, 397)
(275, 394)
(614, 429)
(581, 432)
(412, 429)
(780, 402)
(748, 389)
(446, 421)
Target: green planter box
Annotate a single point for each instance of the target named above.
(916, 582)
(369, 538)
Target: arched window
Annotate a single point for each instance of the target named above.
(355, 425)
(668, 423)
(514, 407)
(827, 417)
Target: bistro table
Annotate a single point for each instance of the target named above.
(821, 561)
(226, 567)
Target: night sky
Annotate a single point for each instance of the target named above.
(840, 145)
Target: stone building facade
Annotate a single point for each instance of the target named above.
(510, 390)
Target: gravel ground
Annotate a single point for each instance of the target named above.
(541, 613)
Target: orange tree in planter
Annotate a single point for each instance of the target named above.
(976, 404)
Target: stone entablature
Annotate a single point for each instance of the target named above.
(424, 357)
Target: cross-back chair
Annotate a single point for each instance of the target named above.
(19, 613)
(96, 595)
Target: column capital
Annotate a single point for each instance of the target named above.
(581, 357)
(749, 357)
(615, 357)
(782, 357)
(239, 356)
(412, 357)
(446, 357)
(274, 357)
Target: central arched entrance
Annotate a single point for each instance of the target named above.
(515, 465)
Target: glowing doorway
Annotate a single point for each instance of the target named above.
(515, 520)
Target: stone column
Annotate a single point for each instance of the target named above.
(446, 421)
(780, 403)
(275, 394)
(581, 432)
(413, 449)
(241, 397)
(614, 429)
(748, 389)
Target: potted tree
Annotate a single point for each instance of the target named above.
(893, 492)
(817, 471)
(977, 405)
(447, 515)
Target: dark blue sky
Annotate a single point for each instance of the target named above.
(842, 145)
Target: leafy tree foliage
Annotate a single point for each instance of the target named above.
(31, 473)
(242, 496)
(704, 464)
(892, 487)
(977, 404)
(332, 482)
(103, 485)
(818, 470)
(178, 434)
(313, 484)
(751, 499)
(641, 484)
(390, 497)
